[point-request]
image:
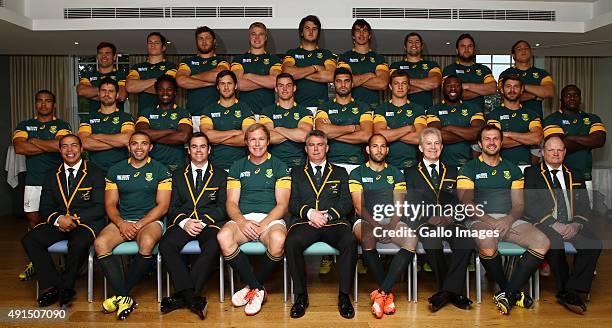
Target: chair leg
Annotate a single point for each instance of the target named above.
(530, 286)
(292, 296)
(105, 293)
(478, 279)
(414, 279)
(536, 285)
(221, 280)
(285, 279)
(159, 278)
(90, 263)
(231, 276)
(37, 289)
(409, 282)
(355, 287)
(467, 282)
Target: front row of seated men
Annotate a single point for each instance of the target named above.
(260, 197)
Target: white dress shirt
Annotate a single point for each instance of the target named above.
(194, 174)
(428, 163)
(314, 170)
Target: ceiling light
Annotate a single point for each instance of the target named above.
(447, 42)
(537, 44)
(169, 42)
(76, 43)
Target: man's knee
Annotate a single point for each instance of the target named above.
(276, 242)
(348, 241)
(101, 245)
(146, 244)
(540, 241)
(226, 238)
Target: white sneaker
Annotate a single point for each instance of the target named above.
(240, 297)
(256, 299)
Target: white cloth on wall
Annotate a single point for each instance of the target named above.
(14, 165)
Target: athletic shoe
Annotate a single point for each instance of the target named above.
(502, 302)
(28, 273)
(361, 267)
(326, 264)
(523, 300)
(110, 304)
(389, 304)
(125, 306)
(544, 269)
(240, 298)
(378, 304)
(427, 267)
(256, 299)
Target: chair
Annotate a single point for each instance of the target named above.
(385, 249)
(317, 249)
(193, 248)
(61, 247)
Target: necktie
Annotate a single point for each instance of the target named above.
(198, 182)
(562, 215)
(434, 176)
(318, 174)
(70, 180)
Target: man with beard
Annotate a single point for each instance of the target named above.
(224, 121)
(370, 72)
(197, 74)
(90, 81)
(425, 75)
(106, 132)
(312, 67)
(400, 121)
(137, 196)
(372, 184)
(142, 76)
(522, 127)
(538, 83)
(458, 122)
(257, 70)
(494, 187)
(168, 125)
(478, 81)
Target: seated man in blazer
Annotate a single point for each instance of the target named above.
(557, 203)
(72, 202)
(432, 182)
(319, 206)
(197, 212)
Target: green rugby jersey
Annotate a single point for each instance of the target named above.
(360, 64)
(462, 115)
(401, 154)
(145, 71)
(94, 78)
(531, 76)
(310, 93)
(419, 70)
(173, 156)
(263, 64)
(236, 117)
(476, 73)
(352, 113)
(138, 187)
(377, 187)
(38, 165)
(491, 184)
(113, 123)
(580, 124)
(257, 183)
(198, 99)
(520, 120)
(288, 151)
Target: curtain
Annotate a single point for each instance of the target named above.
(28, 74)
(572, 70)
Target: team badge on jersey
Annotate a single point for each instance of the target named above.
(478, 72)
(266, 61)
(115, 120)
(214, 62)
(53, 128)
(296, 116)
(372, 60)
(149, 176)
(586, 121)
(507, 175)
(173, 116)
(162, 68)
(355, 110)
(525, 117)
(390, 179)
(319, 55)
(536, 75)
(425, 66)
(464, 112)
(269, 173)
(238, 114)
(409, 112)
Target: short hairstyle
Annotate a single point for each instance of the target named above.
(310, 18)
(226, 72)
(140, 133)
(199, 135)
(570, 86)
(512, 50)
(255, 127)
(316, 133)
(108, 80)
(70, 135)
(341, 71)
(361, 23)
(105, 44)
(490, 127)
(398, 73)
(511, 77)
(464, 36)
(377, 135)
(286, 76)
(161, 37)
(166, 78)
(412, 34)
(260, 25)
(428, 131)
(45, 91)
(451, 76)
(545, 140)
(205, 29)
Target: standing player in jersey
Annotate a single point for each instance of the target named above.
(288, 122)
(142, 76)
(36, 139)
(168, 125)
(458, 122)
(538, 83)
(256, 70)
(370, 72)
(197, 74)
(400, 121)
(106, 132)
(312, 67)
(224, 122)
(425, 75)
(90, 81)
(478, 81)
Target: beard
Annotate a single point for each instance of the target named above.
(343, 93)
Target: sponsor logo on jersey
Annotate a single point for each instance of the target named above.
(123, 177)
(94, 120)
(154, 116)
(481, 176)
(504, 117)
(245, 174)
(443, 112)
(31, 128)
(299, 56)
(277, 116)
(389, 114)
(246, 60)
(353, 60)
(333, 111)
(215, 114)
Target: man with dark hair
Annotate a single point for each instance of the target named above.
(522, 127)
(72, 203)
(257, 70)
(288, 122)
(223, 122)
(320, 204)
(197, 74)
(142, 76)
(90, 80)
(106, 132)
(459, 123)
(494, 187)
(36, 139)
(311, 67)
(477, 79)
(400, 121)
(425, 75)
(168, 125)
(538, 83)
(197, 212)
(370, 72)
